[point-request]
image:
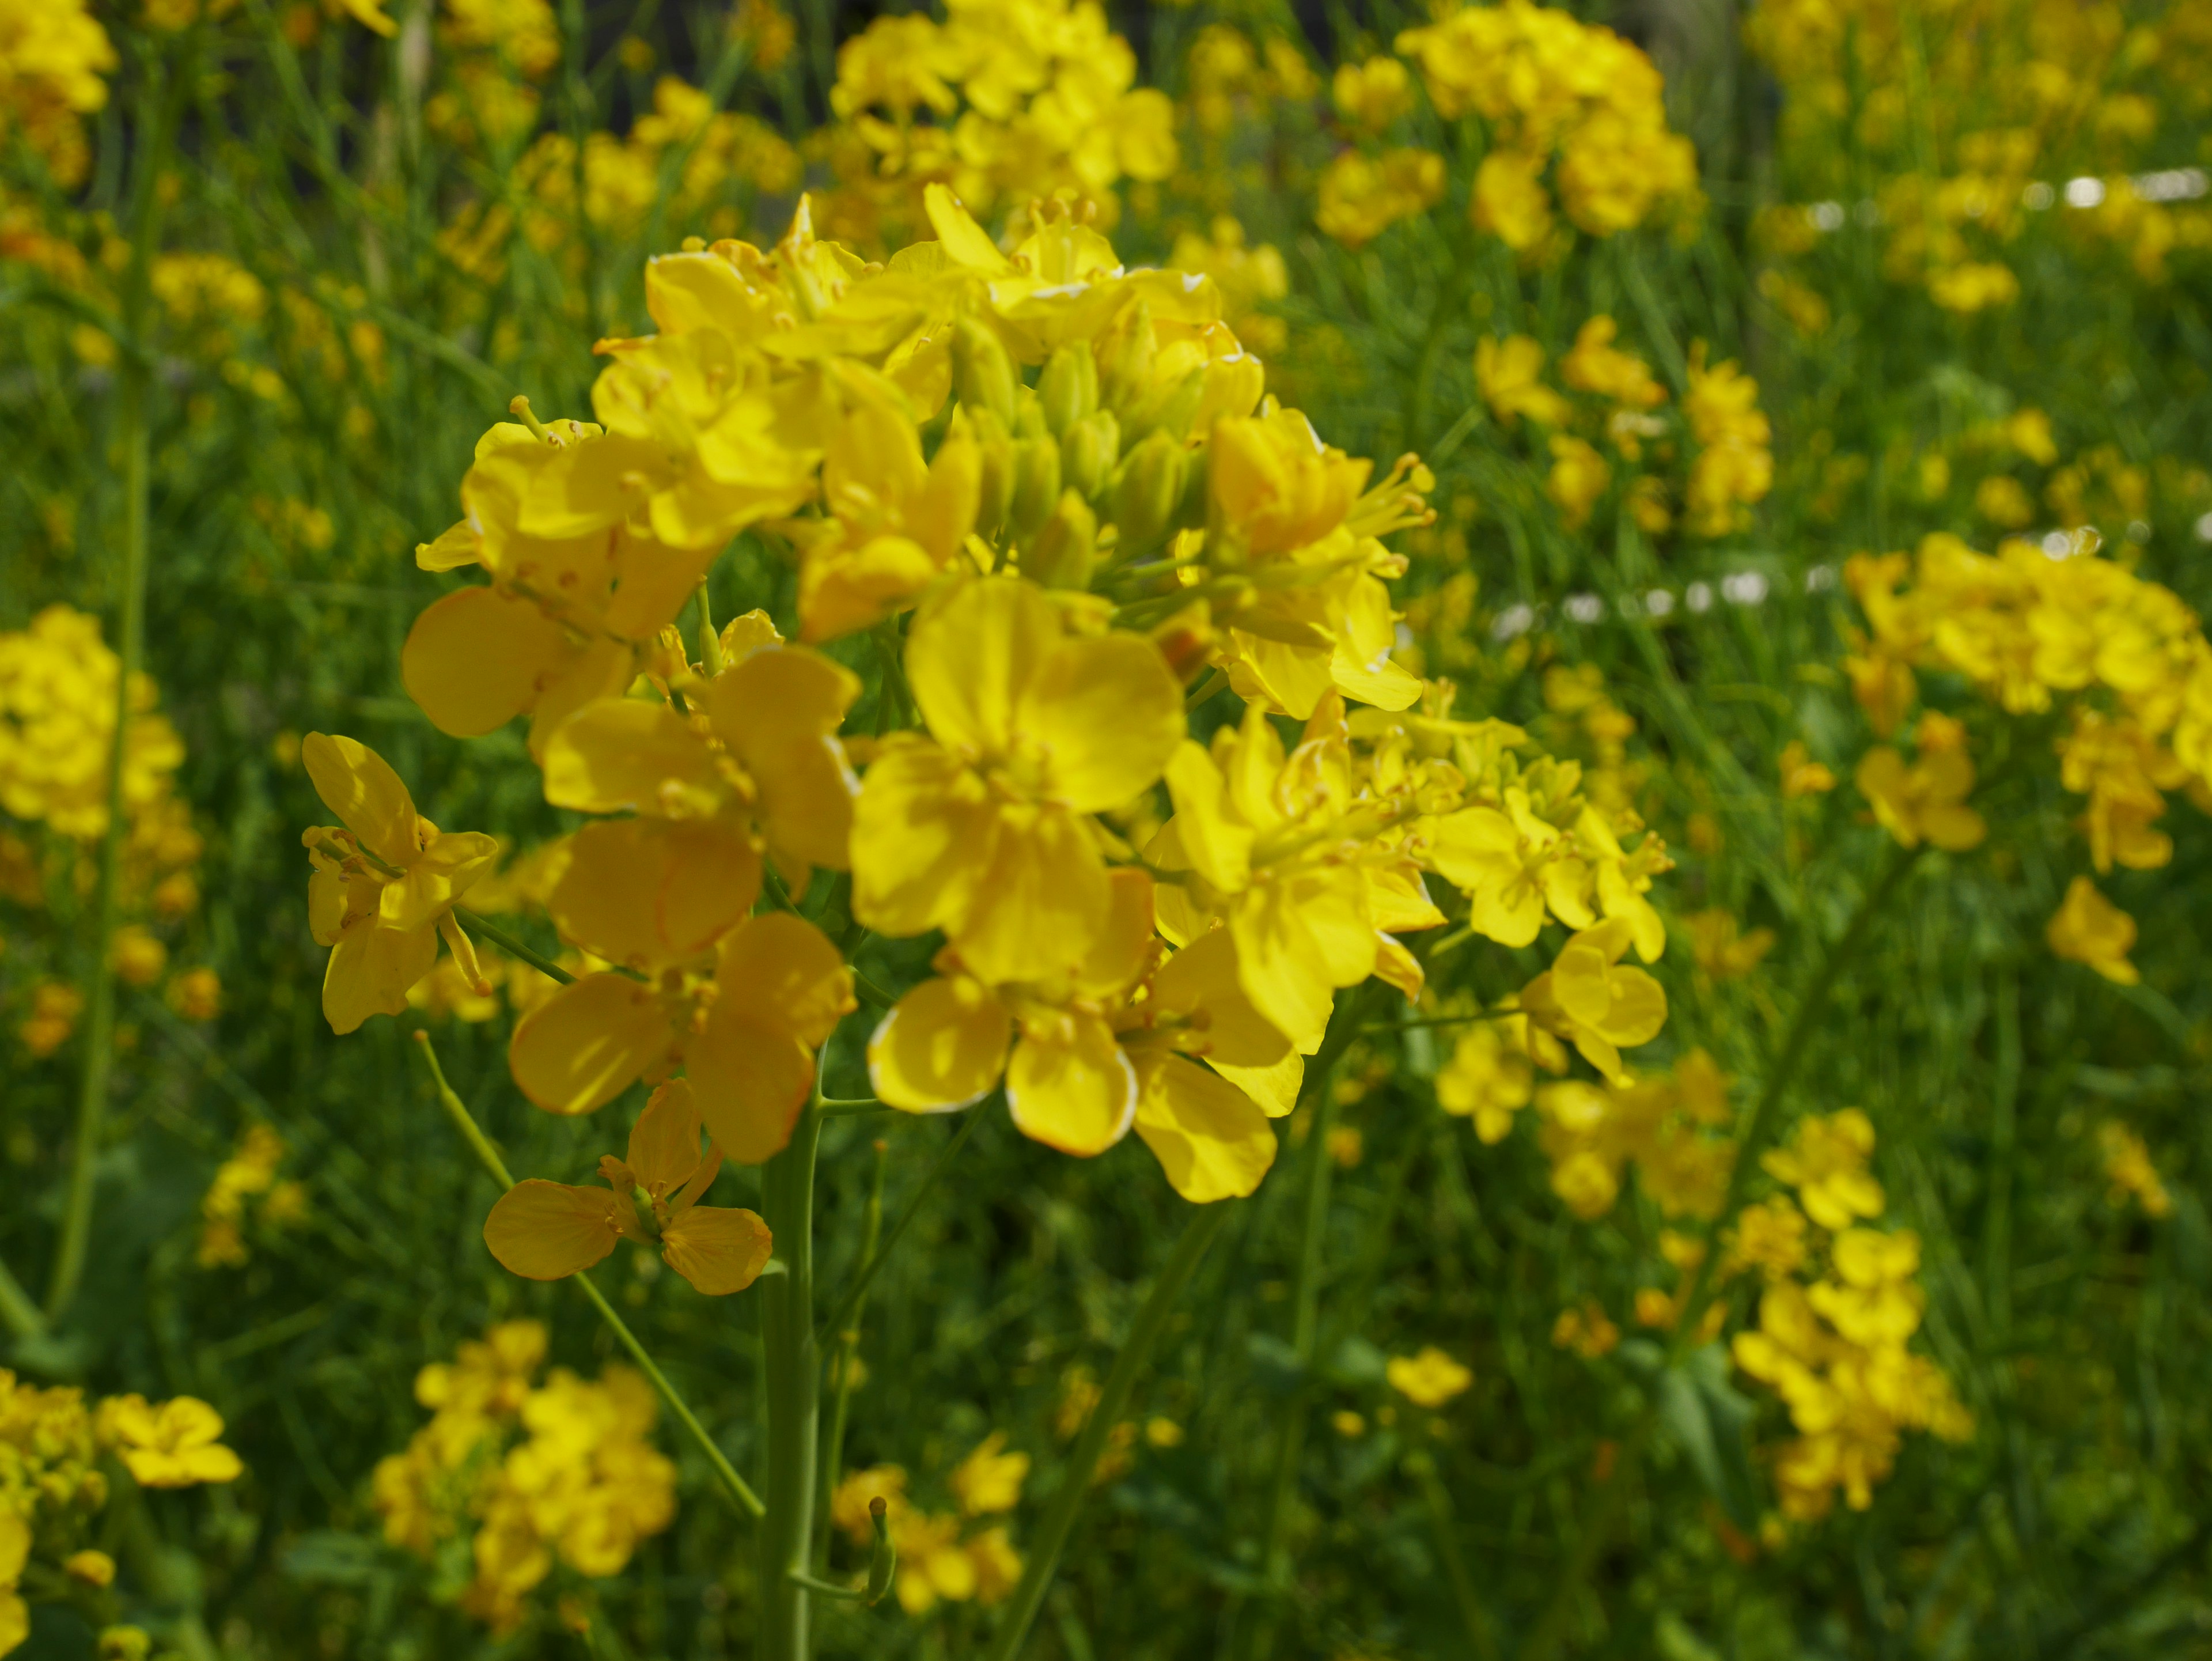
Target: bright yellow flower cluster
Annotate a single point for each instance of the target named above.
(52, 1488)
(1428, 1379)
(941, 1558)
(53, 58)
(2125, 659)
(1556, 94)
(1731, 461)
(1003, 101)
(530, 1474)
(1840, 1305)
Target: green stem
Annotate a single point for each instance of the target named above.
(18, 1308)
(1451, 294)
(1075, 1479)
(794, 1396)
(513, 947)
(850, 1301)
(134, 391)
(1440, 1513)
(488, 1156)
(848, 1342)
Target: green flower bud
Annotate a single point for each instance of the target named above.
(982, 374)
(1036, 488)
(1125, 359)
(1088, 453)
(1066, 548)
(1169, 410)
(996, 495)
(1146, 492)
(1068, 389)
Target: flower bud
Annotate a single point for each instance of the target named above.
(1088, 453)
(1035, 488)
(1067, 546)
(1125, 359)
(1167, 409)
(996, 491)
(981, 372)
(1068, 389)
(1146, 492)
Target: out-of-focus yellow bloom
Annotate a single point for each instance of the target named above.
(1769, 1237)
(1825, 1163)
(546, 1231)
(1509, 200)
(981, 828)
(384, 887)
(2127, 1167)
(54, 57)
(251, 1169)
(1578, 477)
(196, 994)
(55, 1006)
(58, 724)
(1733, 467)
(989, 1480)
(1590, 999)
(1508, 374)
(1724, 952)
(2003, 500)
(1362, 196)
(1801, 775)
(1372, 95)
(1924, 799)
(1973, 286)
(90, 1568)
(1594, 365)
(138, 956)
(1874, 1298)
(1428, 1379)
(167, 1444)
(2088, 928)
(1586, 1330)
(1488, 1079)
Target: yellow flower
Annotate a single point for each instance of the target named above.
(1924, 799)
(1879, 1302)
(742, 1024)
(1594, 364)
(1769, 1237)
(1733, 467)
(1578, 477)
(988, 1479)
(1589, 1330)
(546, 1231)
(91, 1568)
(2088, 928)
(1589, 998)
(1363, 196)
(2127, 1167)
(982, 829)
(1372, 95)
(1486, 1079)
(1510, 374)
(169, 1445)
(1827, 1164)
(1723, 951)
(1801, 775)
(383, 887)
(1510, 201)
(1429, 1380)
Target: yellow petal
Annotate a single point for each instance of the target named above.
(645, 892)
(964, 241)
(603, 669)
(360, 787)
(782, 970)
(1274, 1088)
(617, 754)
(1123, 949)
(587, 1042)
(970, 659)
(844, 587)
(1110, 714)
(548, 1230)
(778, 711)
(921, 838)
(371, 971)
(442, 873)
(14, 1547)
(1397, 966)
(474, 661)
(664, 1143)
(1209, 1136)
(719, 1249)
(751, 1077)
(943, 1046)
(1041, 903)
(1217, 845)
(1069, 1086)
(1203, 977)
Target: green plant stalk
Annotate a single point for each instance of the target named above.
(848, 1342)
(134, 391)
(793, 1395)
(850, 1300)
(1137, 1349)
(1445, 1519)
(18, 1309)
(1759, 1128)
(513, 947)
(488, 1156)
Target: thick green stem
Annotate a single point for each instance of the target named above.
(1113, 1397)
(134, 391)
(487, 1157)
(793, 1396)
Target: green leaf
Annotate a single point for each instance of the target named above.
(1707, 1420)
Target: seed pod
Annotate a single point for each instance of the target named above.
(981, 372)
(1036, 488)
(1068, 388)
(1066, 548)
(1088, 453)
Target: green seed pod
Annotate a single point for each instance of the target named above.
(1068, 389)
(1088, 453)
(1146, 492)
(1036, 488)
(981, 372)
(1067, 547)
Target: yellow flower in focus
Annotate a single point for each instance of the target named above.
(1510, 374)
(546, 1231)
(981, 827)
(989, 1480)
(2127, 1167)
(1509, 200)
(383, 887)
(1924, 799)
(1589, 998)
(1429, 1380)
(2088, 928)
(1825, 1163)
(169, 1445)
